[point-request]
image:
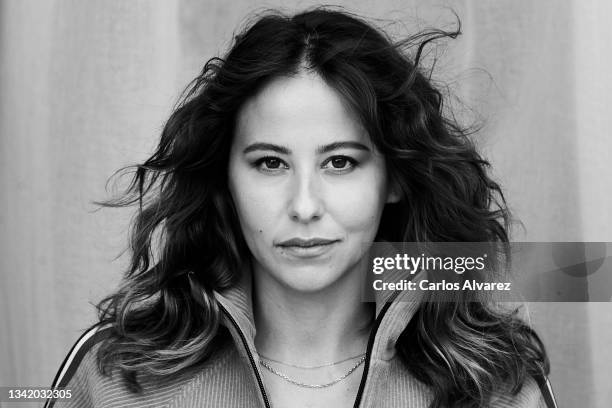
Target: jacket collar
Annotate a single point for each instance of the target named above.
(400, 308)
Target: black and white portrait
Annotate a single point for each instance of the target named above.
(296, 204)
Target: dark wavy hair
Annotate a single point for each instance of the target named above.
(186, 241)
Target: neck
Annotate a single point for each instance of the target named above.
(310, 328)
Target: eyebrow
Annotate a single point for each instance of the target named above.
(320, 150)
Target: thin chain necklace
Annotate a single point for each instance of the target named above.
(313, 366)
(305, 385)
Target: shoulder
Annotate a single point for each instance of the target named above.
(89, 388)
(79, 367)
(535, 393)
(80, 354)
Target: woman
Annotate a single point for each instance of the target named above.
(314, 137)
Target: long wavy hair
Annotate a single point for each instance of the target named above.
(186, 241)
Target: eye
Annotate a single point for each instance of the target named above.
(340, 163)
(270, 163)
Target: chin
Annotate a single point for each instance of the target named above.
(311, 279)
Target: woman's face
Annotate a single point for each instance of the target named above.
(308, 184)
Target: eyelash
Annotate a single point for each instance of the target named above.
(352, 163)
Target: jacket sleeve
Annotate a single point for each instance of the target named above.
(79, 372)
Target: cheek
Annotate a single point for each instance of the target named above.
(358, 206)
(256, 211)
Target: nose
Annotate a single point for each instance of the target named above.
(306, 204)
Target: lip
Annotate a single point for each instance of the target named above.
(307, 247)
(306, 242)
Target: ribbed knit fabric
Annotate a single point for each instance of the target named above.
(231, 379)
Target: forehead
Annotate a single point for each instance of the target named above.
(298, 110)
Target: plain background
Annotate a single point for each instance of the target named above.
(85, 87)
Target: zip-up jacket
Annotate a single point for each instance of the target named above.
(232, 378)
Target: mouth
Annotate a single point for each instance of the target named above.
(306, 243)
(306, 248)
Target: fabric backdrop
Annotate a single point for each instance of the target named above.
(85, 87)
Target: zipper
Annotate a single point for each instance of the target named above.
(251, 358)
(371, 339)
(366, 366)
